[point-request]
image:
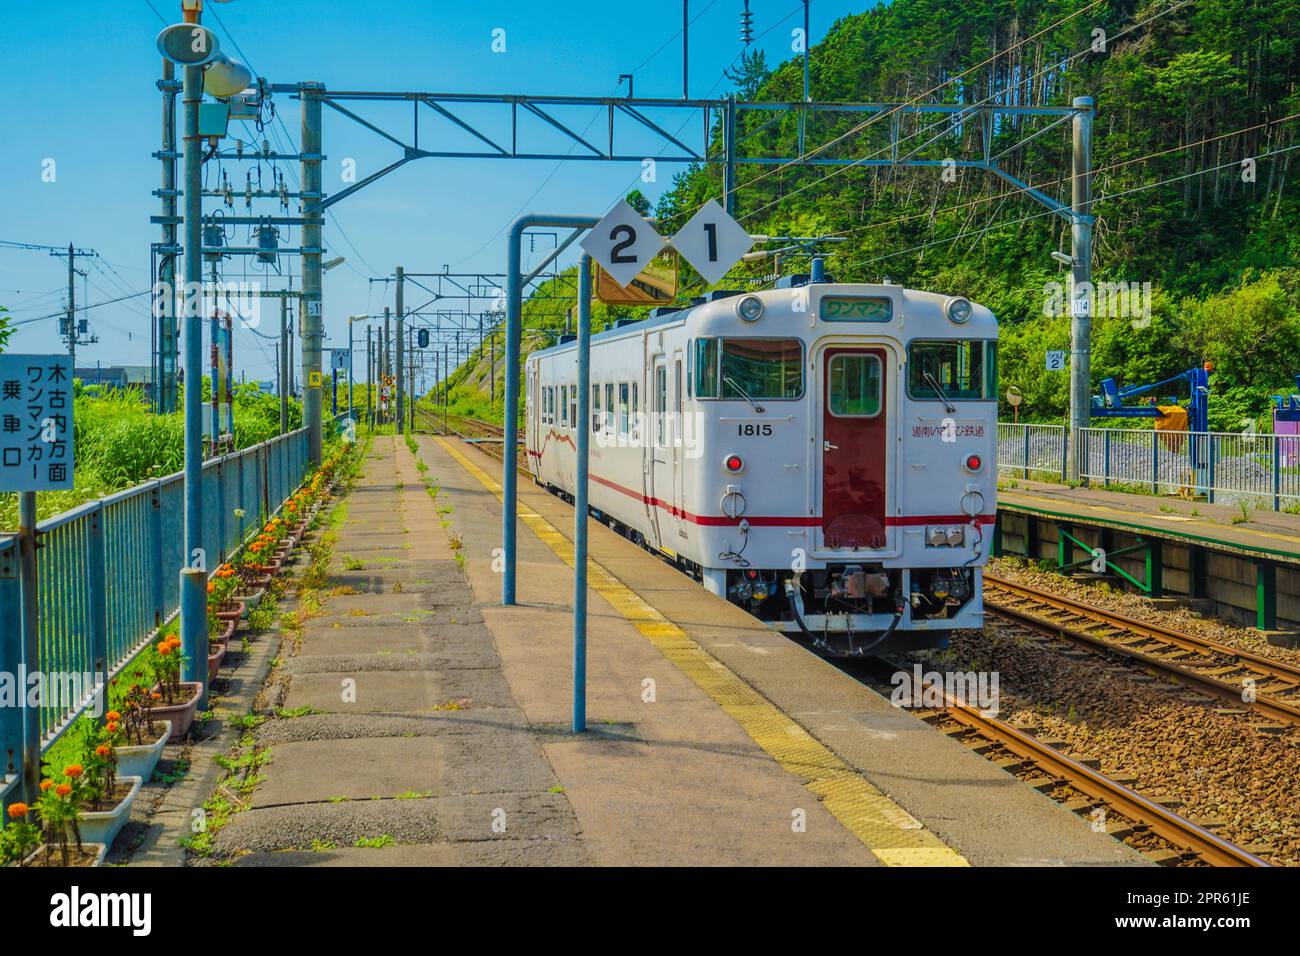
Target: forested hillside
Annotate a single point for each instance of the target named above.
(1185, 89)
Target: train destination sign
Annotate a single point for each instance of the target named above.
(35, 423)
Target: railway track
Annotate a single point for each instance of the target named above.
(1262, 686)
(1143, 823)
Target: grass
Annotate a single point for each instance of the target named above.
(375, 843)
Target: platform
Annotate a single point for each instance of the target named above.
(1246, 563)
(421, 723)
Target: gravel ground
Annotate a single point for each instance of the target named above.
(1113, 599)
(1172, 742)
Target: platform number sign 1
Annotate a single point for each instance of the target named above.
(623, 243)
(35, 423)
(712, 241)
(1056, 360)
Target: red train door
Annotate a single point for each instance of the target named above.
(854, 448)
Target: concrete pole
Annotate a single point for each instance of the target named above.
(1081, 297)
(686, 27)
(370, 378)
(383, 356)
(284, 364)
(194, 574)
(311, 317)
(401, 351)
(72, 309)
(165, 386)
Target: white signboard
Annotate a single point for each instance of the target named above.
(1056, 360)
(712, 241)
(623, 243)
(339, 360)
(35, 423)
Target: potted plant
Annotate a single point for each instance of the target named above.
(221, 594)
(57, 808)
(143, 739)
(20, 837)
(107, 797)
(171, 698)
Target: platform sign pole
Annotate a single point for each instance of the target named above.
(36, 456)
(514, 335)
(1081, 297)
(583, 426)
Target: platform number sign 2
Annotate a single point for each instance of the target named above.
(1056, 360)
(712, 242)
(623, 243)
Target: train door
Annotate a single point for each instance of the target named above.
(677, 441)
(660, 449)
(531, 417)
(854, 448)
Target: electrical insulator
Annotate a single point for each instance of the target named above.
(248, 192)
(266, 147)
(239, 148)
(746, 25)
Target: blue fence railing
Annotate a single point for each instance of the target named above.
(108, 577)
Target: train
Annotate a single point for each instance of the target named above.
(821, 454)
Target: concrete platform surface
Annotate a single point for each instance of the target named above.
(727, 731)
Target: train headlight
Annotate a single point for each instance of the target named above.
(958, 310)
(750, 308)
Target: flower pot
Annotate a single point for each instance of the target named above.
(139, 761)
(257, 582)
(99, 850)
(216, 653)
(250, 600)
(180, 715)
(230, 611)
(270, 568)
(102, 826)
(225, 634)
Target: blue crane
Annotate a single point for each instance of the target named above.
(1110, 403)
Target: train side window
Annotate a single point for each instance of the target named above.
(962, 370)
(622, 408)
(595, 408)
(546, 404)
(564, 405)
(706, 368)
(762, 368)
(661, 406)
(573, 406)
(609, 406)
(854, 389)
(634, 420)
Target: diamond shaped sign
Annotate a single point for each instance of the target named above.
(712, 241)
(623, 243)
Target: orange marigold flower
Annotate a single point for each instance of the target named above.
(112, 715)
(211, 587)
(103, 750)
(112, 726)
(73, 770)
(156, 696)
(18, 810)
(165, 649)
(63, 790)
(46, 784)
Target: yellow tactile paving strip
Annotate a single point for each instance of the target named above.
(886, 829)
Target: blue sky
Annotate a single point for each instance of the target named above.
(79, 90)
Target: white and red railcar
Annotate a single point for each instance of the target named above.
(823, 455)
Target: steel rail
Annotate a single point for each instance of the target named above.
(1263, 703)
(1159, 820)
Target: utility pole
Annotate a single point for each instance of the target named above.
(284, 364)
(168, 340)
(72, 308)
(401, 351)
(194, 573)
(383, 359)
(1081, 297)
(311, 317)
(370, 377)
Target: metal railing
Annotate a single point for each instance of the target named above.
(108, 577)
(1032, 451)
(1259, 471)
(1226, 467)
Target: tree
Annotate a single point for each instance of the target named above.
(638, 201)
(750, 75)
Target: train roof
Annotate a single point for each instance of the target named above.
(716, 318)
